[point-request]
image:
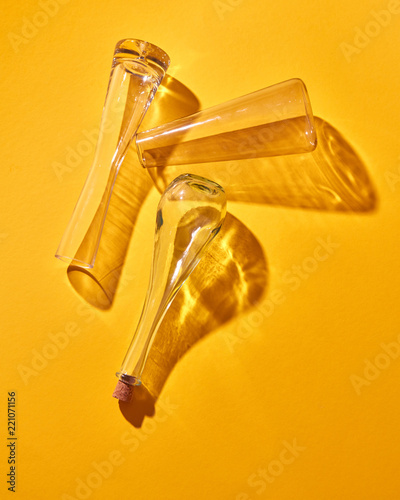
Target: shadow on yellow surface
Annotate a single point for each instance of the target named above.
(142, 405)
(230, 279)
(332, 177)
(99, 284)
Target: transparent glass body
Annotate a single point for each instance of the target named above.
(189, 215)
(274, 121)
(137, 70)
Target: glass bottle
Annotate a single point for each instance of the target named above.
(189, 215)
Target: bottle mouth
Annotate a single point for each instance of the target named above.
(128, 379)
(199, 183)
(311, 132)
(139, 50)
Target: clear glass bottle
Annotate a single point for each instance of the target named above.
(189, 215)
(137, 70)
(274, 121)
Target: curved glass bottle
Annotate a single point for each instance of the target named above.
(137, 70)
(189, 216)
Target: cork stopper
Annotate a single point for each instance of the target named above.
(123, 391)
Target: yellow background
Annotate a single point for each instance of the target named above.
(226, 410)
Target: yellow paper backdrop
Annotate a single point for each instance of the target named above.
(293, 397)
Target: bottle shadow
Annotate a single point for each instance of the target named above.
(331, 178)
(98, 285)
(230, 279)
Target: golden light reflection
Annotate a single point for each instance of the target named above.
(230, 279)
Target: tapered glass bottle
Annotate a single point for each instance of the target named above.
(189, 216)
(274, 121)
(137, 70)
